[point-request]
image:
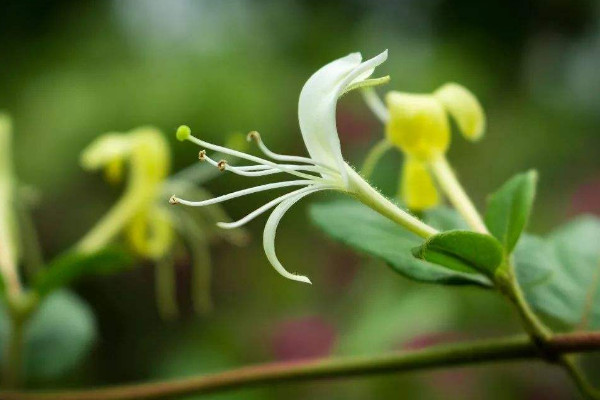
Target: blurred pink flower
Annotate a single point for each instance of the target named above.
(342, 266)
(586, 198)
(302, 338)
(354, 129)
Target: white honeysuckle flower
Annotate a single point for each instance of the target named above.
(324, 170)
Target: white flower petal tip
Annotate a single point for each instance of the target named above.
(381, 57)
(301, 278)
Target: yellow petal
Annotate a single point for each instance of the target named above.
(113, 172)
(150, 233)
(417, 188)
(464, 107)
(9, 236)
(418, 125)
(145, 152)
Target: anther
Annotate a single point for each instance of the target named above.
(173, 200)
(202, 155)
(222, 165)
(254, 135)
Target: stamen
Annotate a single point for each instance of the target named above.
(272, 171)
(254, 167)
(261, 210)
(249, 157)
(202, 155)
(240, 193)
(262, 170)
(254, 135)
(295, 167)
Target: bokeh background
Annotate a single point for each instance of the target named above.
(71, 70)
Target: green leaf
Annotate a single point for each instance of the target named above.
(385, 320)
(365, 230)
(560, 275)
(72, 265)
(58, 336)
(535, 261)
(463, 251)
(509, 209)
(445, 219)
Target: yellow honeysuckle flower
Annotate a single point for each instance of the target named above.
(149, 226)
(418, 124)
(146, 151)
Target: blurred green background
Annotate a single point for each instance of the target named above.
(71, 70)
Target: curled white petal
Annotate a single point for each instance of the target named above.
(317, 106)
(271, 230)
(239, 193)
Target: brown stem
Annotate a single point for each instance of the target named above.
(505, 349)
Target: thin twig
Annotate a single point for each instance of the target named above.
(505, 349)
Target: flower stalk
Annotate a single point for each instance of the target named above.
(372, 198)
(456, 194)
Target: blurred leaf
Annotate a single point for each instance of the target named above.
(385, 320)
(57, 337)
(561, 275)
(165, 283)
(535, 261)
(72, 265)
(462, 251)
(198, 243)
(192, 355)
(365, 230)
(509, 209)
(445, 219)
